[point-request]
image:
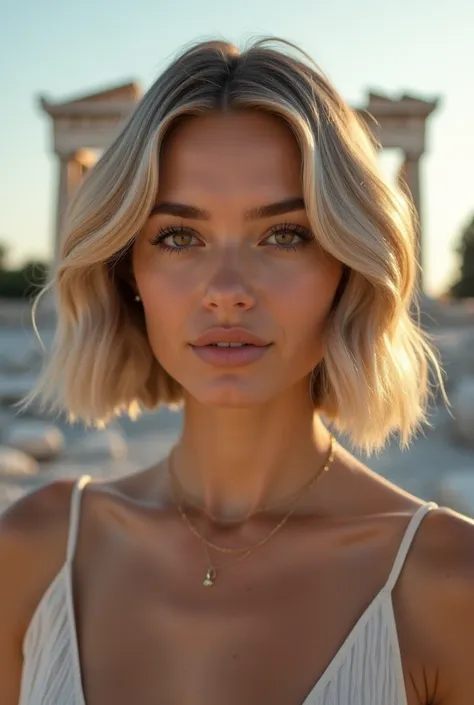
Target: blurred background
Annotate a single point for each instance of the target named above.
(70, 74)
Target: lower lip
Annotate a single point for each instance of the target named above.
(230, 357)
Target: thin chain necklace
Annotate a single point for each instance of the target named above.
(263, 508)
(211, 573)
(293, 506)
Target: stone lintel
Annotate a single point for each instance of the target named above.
(111, 110)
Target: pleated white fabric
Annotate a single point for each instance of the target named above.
(367, 669)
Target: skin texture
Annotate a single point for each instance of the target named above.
(268, 629)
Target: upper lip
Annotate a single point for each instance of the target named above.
(229, 335)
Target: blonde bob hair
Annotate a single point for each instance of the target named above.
(374, 378)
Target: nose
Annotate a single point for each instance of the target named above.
(228, 291)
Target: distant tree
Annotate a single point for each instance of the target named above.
(464, 286)
(3, 255)
(24, 282)
(35, 273)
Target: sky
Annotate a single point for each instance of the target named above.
(61, 49)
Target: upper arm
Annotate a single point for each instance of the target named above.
(33, 534)
(447, 607)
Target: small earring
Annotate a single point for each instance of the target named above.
(137, 297)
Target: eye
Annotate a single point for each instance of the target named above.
(289, 236)
(174, 239)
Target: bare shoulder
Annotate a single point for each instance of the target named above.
(447, 548)
(442, 604)
(33, 537)
(33, 543)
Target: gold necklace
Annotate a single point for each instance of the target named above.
(262, 508)
(211, 573)
(294, 500)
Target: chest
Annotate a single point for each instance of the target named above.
(302, 625)
(145, 629)
(195, 645)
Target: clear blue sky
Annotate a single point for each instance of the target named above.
(62, 48)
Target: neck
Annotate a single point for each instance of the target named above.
(231, 462)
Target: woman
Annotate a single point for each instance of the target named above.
(237, 250)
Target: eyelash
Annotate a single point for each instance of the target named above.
(293, 228)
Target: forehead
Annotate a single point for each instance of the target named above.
(224, 152)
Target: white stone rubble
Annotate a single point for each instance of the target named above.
(42, 441)
(15, 463)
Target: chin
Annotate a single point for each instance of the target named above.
(230, 394)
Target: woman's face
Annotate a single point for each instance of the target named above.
(228, 249)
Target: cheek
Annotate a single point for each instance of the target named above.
(304, 300)
(164, 300)
(164, 304)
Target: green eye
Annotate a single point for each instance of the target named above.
(285, 238)
(289, 236)
(181, 239)
(174, 240)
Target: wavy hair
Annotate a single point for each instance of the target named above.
(374, 379)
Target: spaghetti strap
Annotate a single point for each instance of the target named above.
(407, 540)
(75, 516)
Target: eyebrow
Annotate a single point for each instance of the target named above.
(183, 210)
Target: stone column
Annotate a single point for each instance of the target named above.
(409, 180)
(71, 171)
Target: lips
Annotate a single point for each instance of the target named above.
(230, 347)
(228, 356)
(229, 335)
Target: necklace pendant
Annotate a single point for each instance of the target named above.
(210, 577)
